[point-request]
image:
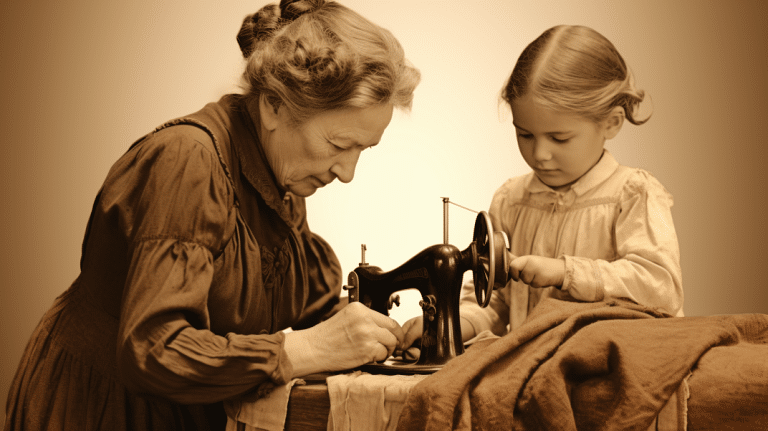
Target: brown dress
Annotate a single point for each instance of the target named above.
(193, 262)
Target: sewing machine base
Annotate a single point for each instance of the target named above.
(394, 366)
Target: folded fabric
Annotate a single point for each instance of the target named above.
(611, 365)
(367, 402)
(265, 412)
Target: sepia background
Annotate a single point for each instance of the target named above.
(81, 80)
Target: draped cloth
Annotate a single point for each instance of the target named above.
(571, 365)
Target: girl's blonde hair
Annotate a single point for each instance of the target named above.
(577, 70)
(315, 55)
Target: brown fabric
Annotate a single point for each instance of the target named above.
(575, 366)
(190, 270)
(729, 389)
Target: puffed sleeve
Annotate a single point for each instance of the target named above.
(174, 201)
(647, 267)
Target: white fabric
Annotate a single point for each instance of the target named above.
(368, 402)
(267, 413)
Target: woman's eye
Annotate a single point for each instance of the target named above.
(561, 140)
(524, 136)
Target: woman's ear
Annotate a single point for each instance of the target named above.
(613, 122)
(270, 114)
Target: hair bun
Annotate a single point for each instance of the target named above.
(260, 25)
(292, 9)
(256, 27)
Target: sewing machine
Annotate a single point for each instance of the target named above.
(437, 273)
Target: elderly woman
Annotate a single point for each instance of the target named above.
(198, 254)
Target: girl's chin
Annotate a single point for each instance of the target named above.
(555, 185)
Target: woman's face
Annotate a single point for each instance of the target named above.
(322, 149)
(559, 147)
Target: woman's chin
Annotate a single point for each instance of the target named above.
(303, 190)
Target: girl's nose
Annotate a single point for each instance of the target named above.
(344, 167)
(541, 151)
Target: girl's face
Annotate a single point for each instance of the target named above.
(324, 148)
(559, 147)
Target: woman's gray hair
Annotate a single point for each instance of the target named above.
(313, 56)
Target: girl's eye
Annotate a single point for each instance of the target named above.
(560, 141)
(524, 136)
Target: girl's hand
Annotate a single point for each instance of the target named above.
(414, 328)
(538, 271)
(354, 336)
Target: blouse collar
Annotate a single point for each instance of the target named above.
(604, 168)
(253, 161)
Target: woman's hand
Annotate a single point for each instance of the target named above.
(354, 336)
(537, 271)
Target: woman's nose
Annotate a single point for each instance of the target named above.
(344, 168)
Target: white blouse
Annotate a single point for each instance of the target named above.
(614, 230)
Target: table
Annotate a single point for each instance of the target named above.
(309, 406)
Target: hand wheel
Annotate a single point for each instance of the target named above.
(489, 259)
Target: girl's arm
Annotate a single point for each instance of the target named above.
(647, 268)
(476, 319)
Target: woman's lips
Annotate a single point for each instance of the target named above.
(320, 183)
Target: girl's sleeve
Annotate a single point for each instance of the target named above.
(494, 317)
(647, 268)
(174, 202)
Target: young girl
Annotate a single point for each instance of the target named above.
(581, 227)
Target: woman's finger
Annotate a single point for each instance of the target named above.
(390, 325)
(382, 353)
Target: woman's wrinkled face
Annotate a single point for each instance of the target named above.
(559, 147)
(324, 148)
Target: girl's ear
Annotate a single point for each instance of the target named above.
(613, 122)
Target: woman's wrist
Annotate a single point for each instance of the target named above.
(300, 353)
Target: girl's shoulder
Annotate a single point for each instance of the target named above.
(514, 188)
(636, 182)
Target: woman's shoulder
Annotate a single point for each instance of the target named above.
(176, 139)
(173, 151)
(169, 184)
(174, 168)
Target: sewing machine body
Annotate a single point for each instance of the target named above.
(437, 273)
